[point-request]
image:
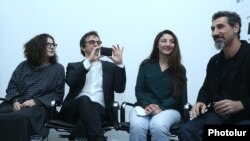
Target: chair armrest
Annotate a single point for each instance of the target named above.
(123, 110)
(116, 109)
(2, 101)
(187, 108)
(53, 112)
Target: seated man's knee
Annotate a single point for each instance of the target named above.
(185, 127)
(84, 98)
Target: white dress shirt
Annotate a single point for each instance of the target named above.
(93, 84)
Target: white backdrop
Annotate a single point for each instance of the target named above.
(243, 8)
(129, 23)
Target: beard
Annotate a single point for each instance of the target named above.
(219, 44)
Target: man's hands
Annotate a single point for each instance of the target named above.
(226, 107)
(94, 55)
(116, 54)
(222, 107)
(197, 109)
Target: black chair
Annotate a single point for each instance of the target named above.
(65, 129)
(2, 100)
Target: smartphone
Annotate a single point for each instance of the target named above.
(106, 51)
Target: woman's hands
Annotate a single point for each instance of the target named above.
(28, 103)
(152, 109)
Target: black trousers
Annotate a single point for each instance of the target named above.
(20, 125)
(88, 116)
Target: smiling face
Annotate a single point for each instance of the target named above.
(222, 33)
(166, 44)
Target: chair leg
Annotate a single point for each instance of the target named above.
(148, 137)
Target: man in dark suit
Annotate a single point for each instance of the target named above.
(92, 85)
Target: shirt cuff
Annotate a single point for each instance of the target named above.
(121, 65)
(87, 64)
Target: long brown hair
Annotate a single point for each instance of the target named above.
(176, 69)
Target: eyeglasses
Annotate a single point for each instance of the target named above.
(51, 45)
(92, 42)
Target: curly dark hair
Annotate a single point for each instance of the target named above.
(35, 50)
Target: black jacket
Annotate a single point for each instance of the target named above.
(230, 82)
(114, 80)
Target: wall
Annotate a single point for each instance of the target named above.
(131, 23)
(242, 7)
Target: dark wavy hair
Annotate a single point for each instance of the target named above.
(176, 69)
(35, 50)
(84, 37)
(232, 18)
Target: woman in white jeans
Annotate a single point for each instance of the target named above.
(160, 86)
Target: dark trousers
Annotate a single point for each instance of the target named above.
(193, 130)
(88, 116)
(20, 125)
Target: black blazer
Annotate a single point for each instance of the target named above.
(114, 80)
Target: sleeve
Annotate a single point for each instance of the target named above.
(57, 92)
(120, 79)
(87, 64)
(76, 74)
(204, 95)
(12, 91)
(141, 95)
(246, 101)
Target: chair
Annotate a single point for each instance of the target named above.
(174, 130)
(2, 101)
(66, 128)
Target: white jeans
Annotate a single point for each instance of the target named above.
(158, 125)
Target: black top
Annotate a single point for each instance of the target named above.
(43, 84)
(229, 79)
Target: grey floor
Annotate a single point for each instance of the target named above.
(112, 136)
